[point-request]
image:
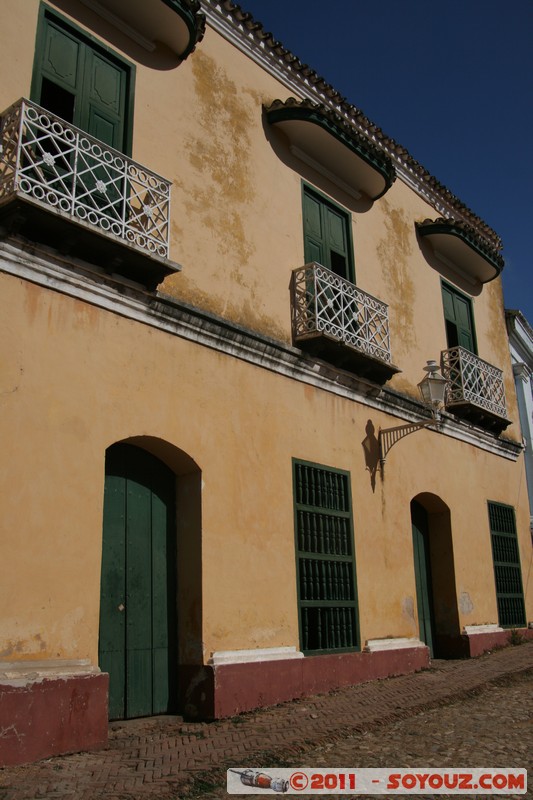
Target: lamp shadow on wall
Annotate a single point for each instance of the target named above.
(370, 445)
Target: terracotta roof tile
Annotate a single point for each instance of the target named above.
(196, 9)
(471, 235)
(376, 154)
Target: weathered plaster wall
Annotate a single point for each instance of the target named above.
(236, 224)
(19, 26)
(73, 371)
(71, 395)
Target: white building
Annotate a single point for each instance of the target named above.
(521, 344)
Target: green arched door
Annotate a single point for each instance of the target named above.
(424, 588)
(138, 624)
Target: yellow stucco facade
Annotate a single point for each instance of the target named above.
(205, 375)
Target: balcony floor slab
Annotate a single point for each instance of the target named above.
(478, 416)
(348, 358)
(38, 222)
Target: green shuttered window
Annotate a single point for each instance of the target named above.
(325, 559)
(509, 593)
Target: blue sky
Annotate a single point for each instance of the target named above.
(452, 82)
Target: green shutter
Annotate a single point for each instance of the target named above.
(507, 573)
(104, 99)
(458, 318)
(313, 233)
(62, 60)
(82, 82)
(327, 238)
(325, 559)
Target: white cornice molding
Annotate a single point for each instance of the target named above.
(520, 337)
(224, 23)
(522, 371)
(113, 294)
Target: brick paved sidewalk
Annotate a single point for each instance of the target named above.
(160, 758)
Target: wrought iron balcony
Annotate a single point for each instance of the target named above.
(475, 390)
(335, 320)
(52, 173)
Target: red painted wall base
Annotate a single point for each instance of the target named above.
(479, 643)
(228, 689)
(52, 716)
(63, 715)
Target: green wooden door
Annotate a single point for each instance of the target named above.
(138, 625)
(326, 235)
(80, 82)
(424, 591)
(459, 319)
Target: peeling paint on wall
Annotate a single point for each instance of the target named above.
(466, 605)
(217, 193)
(408, 613)
(394, 251)
(222, 159)
(23, 647)
(499, 350)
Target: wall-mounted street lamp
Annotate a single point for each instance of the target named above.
(433, 390)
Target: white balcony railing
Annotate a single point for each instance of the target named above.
(325, 304)
(473, 381)
(52, 162)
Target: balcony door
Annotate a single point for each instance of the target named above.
(327, 237)
(81, 82)
(458, 319)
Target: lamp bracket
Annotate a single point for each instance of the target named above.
(387, 437)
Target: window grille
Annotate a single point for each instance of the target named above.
(325, 559)
(509, 593)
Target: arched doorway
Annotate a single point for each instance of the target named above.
(438, 616)
(423, 576)
(138, 617)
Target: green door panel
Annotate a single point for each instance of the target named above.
(101, 128)
(104, 99)
(138, 601)
(336, 242)
(71, 66)
(464, 323)
(312, 216)
(105, 84)
(164, 632)
(138, 620)
(138, 682)
(447, 302)
(112, 644)
(423, 582)
(313, 252)
(62, 57)
(336, 230)
(313, 249)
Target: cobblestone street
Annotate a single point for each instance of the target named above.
(493, 730)
(473, 713)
